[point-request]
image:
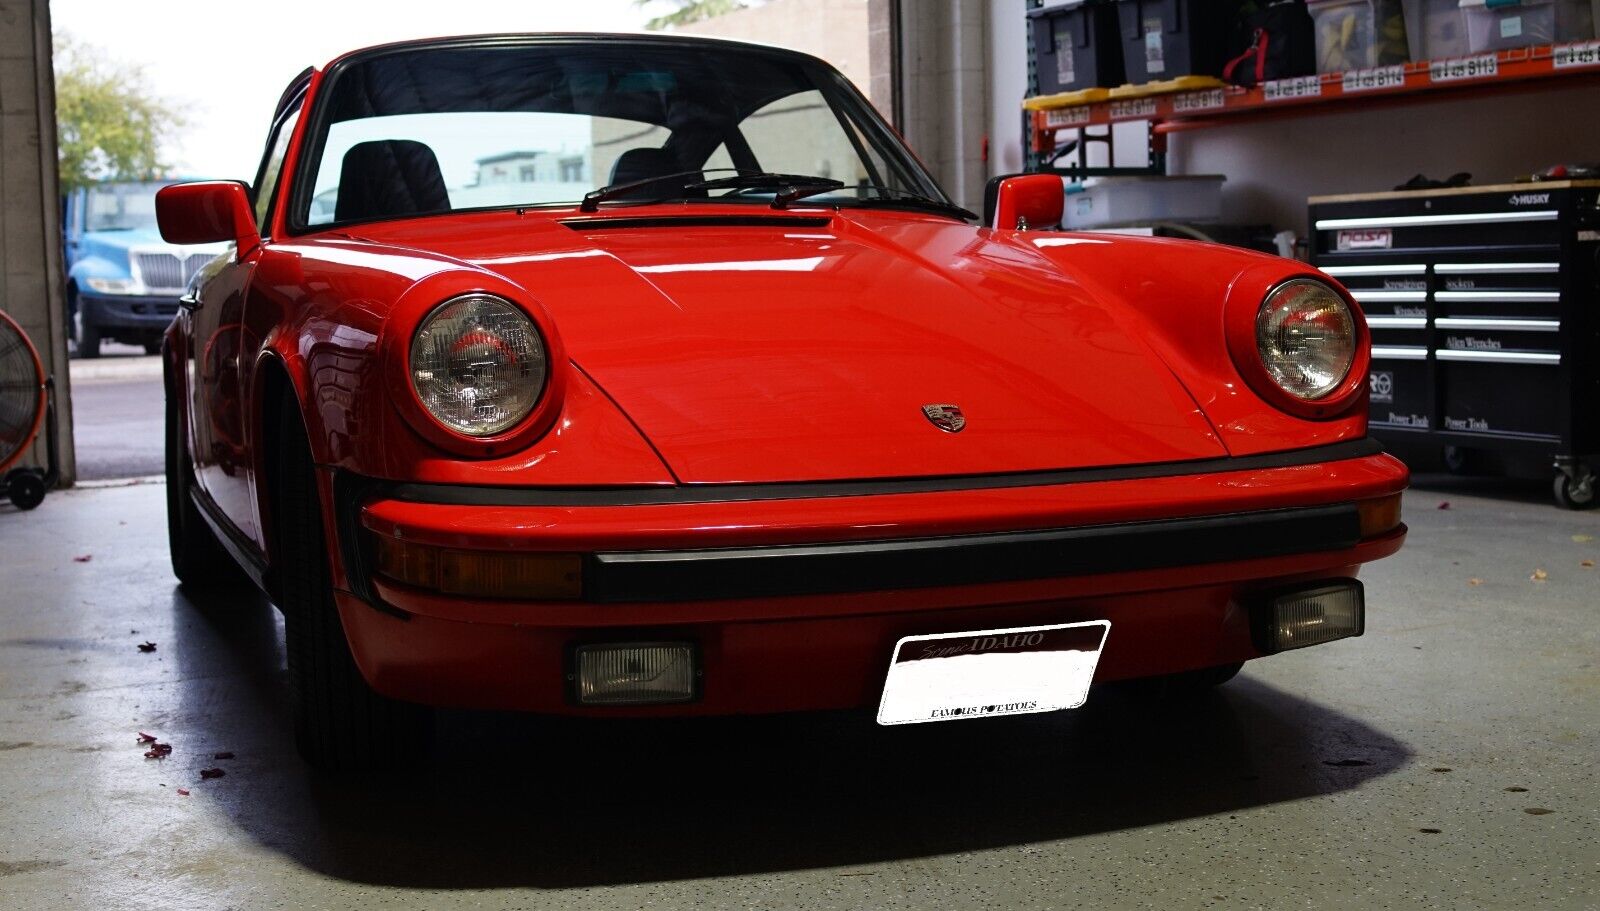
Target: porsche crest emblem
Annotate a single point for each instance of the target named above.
(946, 417)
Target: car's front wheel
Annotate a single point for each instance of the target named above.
(341, 724)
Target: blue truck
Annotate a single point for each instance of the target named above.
(123, 280)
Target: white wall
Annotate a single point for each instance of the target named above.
(1272, 166)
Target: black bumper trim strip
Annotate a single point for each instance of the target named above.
(646, 576)
(459, 495)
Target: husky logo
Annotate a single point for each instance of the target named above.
(946, 417)
(1531, 199)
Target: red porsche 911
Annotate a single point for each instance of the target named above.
(654, 376)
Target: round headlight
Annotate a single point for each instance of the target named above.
(478, 364)
(1307, 338)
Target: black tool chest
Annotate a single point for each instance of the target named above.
(1484, 306)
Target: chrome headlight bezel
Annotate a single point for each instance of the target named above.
(1308, 361)
(503, 348)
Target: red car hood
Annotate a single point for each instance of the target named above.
(807, 351)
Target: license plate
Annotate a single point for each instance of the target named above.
(983, 674)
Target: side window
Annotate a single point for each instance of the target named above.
(272, 166)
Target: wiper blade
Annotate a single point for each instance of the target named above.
(790, 187)
(914, 201)
(891, 198)
(593, 198)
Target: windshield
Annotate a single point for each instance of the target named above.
(121, 207)
(430, 130)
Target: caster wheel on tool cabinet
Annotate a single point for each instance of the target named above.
(1575, 493)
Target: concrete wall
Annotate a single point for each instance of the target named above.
(835, 30)
(945, 91)
(30, 228)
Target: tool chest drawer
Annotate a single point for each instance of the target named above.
(1484, 309)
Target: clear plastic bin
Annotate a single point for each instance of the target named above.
(1494, 27)
(1358, 34)
(1100, 202)
(1436, 29)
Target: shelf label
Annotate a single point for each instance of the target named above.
(1066, 117)
(1380, 77)
(1481, 66)
(1285, 89)
(1584, 53)
(1188, 102)
(1138, 107)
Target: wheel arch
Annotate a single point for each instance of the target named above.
(273, 385)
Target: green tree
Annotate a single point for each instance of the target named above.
(109, 124)
(689, 11)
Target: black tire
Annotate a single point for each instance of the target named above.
(341, 724)
(88, 339)
(198, 559)
(25, 488)
(1579, 494)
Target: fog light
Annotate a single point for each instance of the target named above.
(636, 673)
(1312, 616)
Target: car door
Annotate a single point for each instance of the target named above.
(216, 301)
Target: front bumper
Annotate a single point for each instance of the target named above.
(783, 622)
(128, 311)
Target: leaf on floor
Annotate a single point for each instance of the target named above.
(1586, 564)
(147, 647)
(212, 773)
(222, 755)
(83, 558)
(183, 792)
(146, 738)
(1583, 539)
(1474, 581)
(1539, 575)
(1537, 811)
(1444, 504)
(158, 751)
(1345, 763)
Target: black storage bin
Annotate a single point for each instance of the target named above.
(1165, 39)
(1076, 45)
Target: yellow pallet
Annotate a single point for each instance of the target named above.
(1065, 99)
(1166, 87)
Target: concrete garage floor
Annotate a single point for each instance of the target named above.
(1383, 772)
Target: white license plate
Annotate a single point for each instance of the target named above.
(952, 676)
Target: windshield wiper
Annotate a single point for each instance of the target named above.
(789, 187)
(593, 198)
(892, 198)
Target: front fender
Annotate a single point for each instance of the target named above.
(1179, 291)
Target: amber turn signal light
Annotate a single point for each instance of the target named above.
(482, 573)
(1379, 515)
